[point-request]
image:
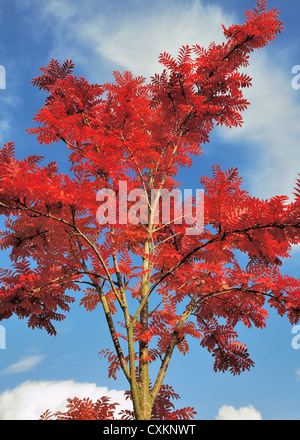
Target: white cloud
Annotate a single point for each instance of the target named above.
(25, 364)
(271, 127)
(295, 248)
(138, 41)
(131, 38)
(64, 10)
(32, 398)
(5, 128)
(228, 412)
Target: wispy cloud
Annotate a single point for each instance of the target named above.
(5, 128)
(136, 43)
(228, 412)
(271, 127)
(32, 398)
(25, 364)
(104, 36)
(127, 37)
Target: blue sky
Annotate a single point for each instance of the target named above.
(37, 370)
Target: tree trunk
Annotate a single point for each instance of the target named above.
(145, 398)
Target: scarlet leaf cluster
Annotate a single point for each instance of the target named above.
(84, 409)
(103, 409)
(159, 286)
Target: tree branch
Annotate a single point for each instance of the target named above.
(221, 238)
(174, 341)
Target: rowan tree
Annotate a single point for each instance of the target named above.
(160, 280)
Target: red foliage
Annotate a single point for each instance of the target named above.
(84, 409)
(102, 409)
(185, 285)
